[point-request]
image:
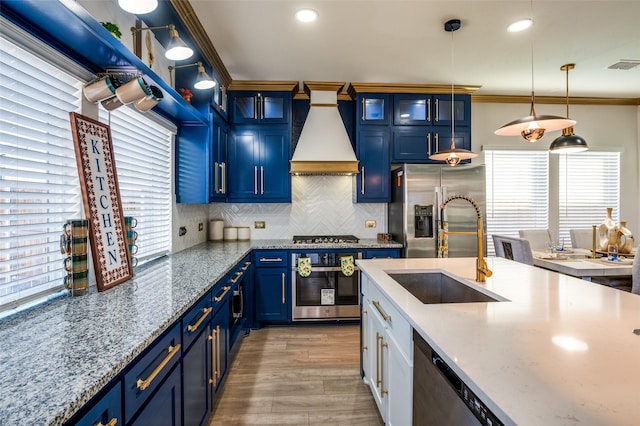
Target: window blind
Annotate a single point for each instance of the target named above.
(39, 187)
(517, 192)
(142, 150)
(589, 183)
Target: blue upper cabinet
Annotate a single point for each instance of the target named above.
(193, 144)
(373, 108)
(260, 107)
(259, 164)
(373, 184)
(218, 162)
(431, 110)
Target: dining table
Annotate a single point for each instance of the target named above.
(578, 263)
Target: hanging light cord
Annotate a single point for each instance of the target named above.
(567, 86)
(533, 111)
(453, 72)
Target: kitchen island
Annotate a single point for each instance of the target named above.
(57, 356)
(558, 351)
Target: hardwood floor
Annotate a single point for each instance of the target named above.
(302, 375)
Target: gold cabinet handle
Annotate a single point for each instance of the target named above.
(382, 312)
(383, 345)
(283, 295)
(435, 116)
(223, 178)
(429, 110)
(363, 109)
(226, 289)
(270, 259)
(246, 266)
(238, 275)
(143, 384)
(255, 180)
(219, 363)
(255, 107)
(362, 178)
(362, 331)
(112, 422)
(194, 327)
(429, 144)
(261, 180)
(215, 176)
(437, 137)
(378, 338)
(214, 358)
(261, 107)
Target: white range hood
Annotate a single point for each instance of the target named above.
(324, 147)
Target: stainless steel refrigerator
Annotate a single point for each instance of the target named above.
(414, 216)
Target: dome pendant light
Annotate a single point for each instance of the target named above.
(454, 155)
(533, 127)
(568, 142)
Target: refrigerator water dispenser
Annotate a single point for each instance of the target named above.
(423, 221)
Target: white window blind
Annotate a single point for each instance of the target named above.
(517, 192)
(39, 187)
(589, 183)
(142, 150)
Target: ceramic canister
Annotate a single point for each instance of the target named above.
(230, 233)
(244, 233)
(216, 227)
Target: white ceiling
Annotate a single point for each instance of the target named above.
(398, 41)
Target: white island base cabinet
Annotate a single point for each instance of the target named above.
(387, 355)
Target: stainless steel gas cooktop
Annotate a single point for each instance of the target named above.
(324, 239)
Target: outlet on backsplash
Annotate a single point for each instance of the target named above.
(370, 224)
(200, 226)
(259, 224)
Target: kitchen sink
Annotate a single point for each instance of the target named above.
(436, 287)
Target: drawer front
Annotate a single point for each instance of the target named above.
(382, 254)
(397, 326)
(270, 258)
(107, 410)
(147, 373)
(221, 293)
(195, 320)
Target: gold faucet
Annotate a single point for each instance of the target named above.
(482, 270)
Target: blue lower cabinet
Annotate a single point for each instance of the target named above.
(148, 372)
(219, 341)
(382, 253)
(196, 369)
(272, 298)
(106, 411)
(164, 408)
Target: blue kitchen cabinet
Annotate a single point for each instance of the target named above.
(392, 253)
(414, 144)
(165, 407)
(196, 369)
(373, 109)
(259, 164)
(431, 110)
(219, 341)
(218, 162)
(107, 410)
(260, 107)
(271, 284)
(372, 183)
(192, 167)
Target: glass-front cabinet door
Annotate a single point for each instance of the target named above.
(411, 110)
(373, 109)
(258, 107)
(443, 112)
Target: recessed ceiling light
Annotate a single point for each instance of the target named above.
(306, 15)
(520, 25)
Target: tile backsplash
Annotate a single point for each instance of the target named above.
(319, 205)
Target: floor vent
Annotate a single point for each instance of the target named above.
(624, 64)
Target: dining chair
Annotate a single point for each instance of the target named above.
(581, 238)
(518, 249)
(538, 238)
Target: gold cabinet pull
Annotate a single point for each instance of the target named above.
(143, 384)
(437, 138)
(437, 113)
(362, 331)
(214, 358)
(112, 422)
(383, 345)
(219, 363)
(429, 110)
(378, 338)
(246, 266)
(429, 144)
(238, 275)
(363, 109)
(382, 312)
(362, 179)
(226, 289)
(205, 314)
(283, 295)
(270, 259)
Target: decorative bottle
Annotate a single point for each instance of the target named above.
(607, 232)
(624, 239)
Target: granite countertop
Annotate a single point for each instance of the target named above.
(560, 351)
(56, 356)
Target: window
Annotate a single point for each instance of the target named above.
(589, 182)
(142, 150)
(38, 174)
(517, 192)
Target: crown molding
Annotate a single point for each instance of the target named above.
(355, 88)
(509, 99)
(268, 86)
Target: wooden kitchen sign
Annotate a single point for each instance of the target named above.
(101, 198)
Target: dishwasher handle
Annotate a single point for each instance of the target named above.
(447, 372)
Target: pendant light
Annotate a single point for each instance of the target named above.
(568, 142)
(533, 127)
(454, 155)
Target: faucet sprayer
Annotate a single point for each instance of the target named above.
(482, 271)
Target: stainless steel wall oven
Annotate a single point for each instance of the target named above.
(327, 293)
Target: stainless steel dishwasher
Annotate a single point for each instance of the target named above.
(440, 397)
